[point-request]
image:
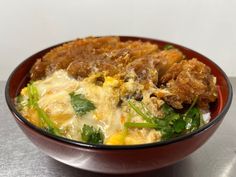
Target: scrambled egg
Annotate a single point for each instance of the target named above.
(55, 100)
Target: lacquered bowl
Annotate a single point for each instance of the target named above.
(120, 159)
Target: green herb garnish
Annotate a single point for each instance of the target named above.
(168, 47)
(140, 125)
(21, 103)
(179, 125)
(33, 95)
(44, 118)
(80, 104)
(191, 106)
(171, 124)
(91, 135)
(145, 117)
(50, 126)
(194, 118)
(166, 109)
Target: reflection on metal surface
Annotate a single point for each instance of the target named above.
(229, 167)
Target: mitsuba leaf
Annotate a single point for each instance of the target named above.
(91, 135)
(168, 47)
(172, 123)
(44, 118)
(195, 116)
(80, 104)
(167, 110)
(179, 125)
(167, 132)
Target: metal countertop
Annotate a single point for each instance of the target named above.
(20, 158)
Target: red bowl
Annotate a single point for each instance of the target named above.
(120, 159)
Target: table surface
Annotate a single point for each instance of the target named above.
(20, 158)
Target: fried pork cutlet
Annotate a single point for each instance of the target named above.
(187, 80)
(107, 54)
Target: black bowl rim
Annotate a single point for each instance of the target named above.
(75, 143)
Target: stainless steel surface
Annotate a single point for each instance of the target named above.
(20, 158)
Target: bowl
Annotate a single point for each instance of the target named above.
(120, 159)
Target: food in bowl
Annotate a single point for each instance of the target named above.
(101, 90)
(118, 159)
